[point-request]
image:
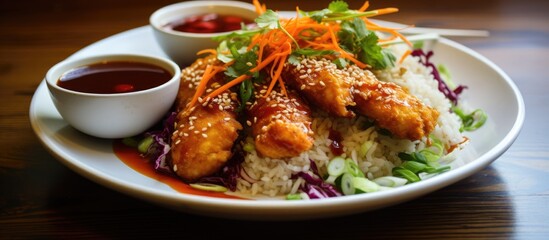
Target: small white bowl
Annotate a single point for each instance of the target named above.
(183, 46)
(116, 115)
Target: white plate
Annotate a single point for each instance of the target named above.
(489, 88)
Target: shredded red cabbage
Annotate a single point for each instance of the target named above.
(452, 95)
(314, 186)
(160, 148)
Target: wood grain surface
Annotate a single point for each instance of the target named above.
(42, 199)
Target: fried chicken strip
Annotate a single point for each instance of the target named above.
(392, 108)
(338, 90)
(319, 82)
(205, 134)
(281, 125)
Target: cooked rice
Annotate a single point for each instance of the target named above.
(272, 177)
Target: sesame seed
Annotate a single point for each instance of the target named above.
(204, 135)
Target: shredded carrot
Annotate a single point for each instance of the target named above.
(404, 56)
(227, 86)
(210, 51)
(276, 76)
(275, 46)
(259, 8)
(393, 31)
(364, 6)
(385, 11)
(202, 85)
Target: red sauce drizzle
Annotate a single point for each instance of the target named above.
(336, 147)
(132, 159)
(208, 23)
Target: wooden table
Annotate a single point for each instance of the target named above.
(41, 198)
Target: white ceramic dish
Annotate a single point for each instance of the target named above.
(171, 41)
(489, 88)
(116, 115)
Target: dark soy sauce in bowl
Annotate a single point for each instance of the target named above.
(114, 77)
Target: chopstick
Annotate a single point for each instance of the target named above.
(406, 29)
(414, 38)
(447, 32)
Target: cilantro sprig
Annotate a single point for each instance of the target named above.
(356, 38)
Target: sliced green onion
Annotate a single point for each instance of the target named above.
(437, 170)
(413, 166)
(415, 156)
(363, 185)
(352, 168)
(346, 185)
(429, 155)
(471, 121)
(405, 173)
(331, 179)
(390, 181)
(405, 156)
(208, 187)
(295, 196)
(434, 152)
(337, 166)
(364, 148)
(144, 144)
(417, 45)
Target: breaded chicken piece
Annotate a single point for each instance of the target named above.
(205, 134)
(281, 125)
(339, 91)
(392, 108)
(321, 87)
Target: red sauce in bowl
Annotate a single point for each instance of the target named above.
(208, 23)
(114, 77)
